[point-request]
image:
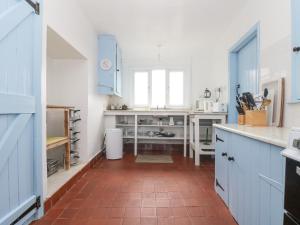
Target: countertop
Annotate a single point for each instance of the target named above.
(271, 135)
(291, 153)
(159, 111)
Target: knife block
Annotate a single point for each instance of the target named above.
(241, 119)
(256, 118)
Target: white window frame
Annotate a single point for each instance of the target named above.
(186, 87)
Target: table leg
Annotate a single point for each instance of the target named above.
(197, 141)
(135, 135)
(191, 137)
(185, 135)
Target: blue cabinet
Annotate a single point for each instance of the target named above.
(221, 170)
(252, 177)
(109, 66)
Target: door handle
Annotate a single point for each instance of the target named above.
(219, 139)
(231, 158)
(224, 154)
(219, 185)
(296, 49)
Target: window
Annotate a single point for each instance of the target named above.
(141, 88)
(159, 88)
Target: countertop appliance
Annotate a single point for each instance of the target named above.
(219, 107)
(292, 180)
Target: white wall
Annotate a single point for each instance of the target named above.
(67, 85)
(275, 24)
(67, 19)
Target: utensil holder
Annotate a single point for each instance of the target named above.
(256, 118)
(241, 119)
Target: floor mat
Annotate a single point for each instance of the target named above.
(154, 159)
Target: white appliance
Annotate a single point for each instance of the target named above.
(114, 143)
(208, 105)
(219, 107)
(292, 179)
(293, 149)
(200, 104)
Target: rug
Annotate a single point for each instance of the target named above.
(154, 159)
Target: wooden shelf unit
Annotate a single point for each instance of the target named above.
(54, 142)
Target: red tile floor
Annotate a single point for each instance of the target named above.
(123, 192)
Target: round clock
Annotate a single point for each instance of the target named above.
(105, 64)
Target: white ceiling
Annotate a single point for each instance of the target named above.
(183, 27)
(59, 48)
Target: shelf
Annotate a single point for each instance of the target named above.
(54, 142)
(128, 137)
(203, 146)
(154, 138)
(153, 125)
(150, 125)
(125, 125)
(59, 107)
(160, 138)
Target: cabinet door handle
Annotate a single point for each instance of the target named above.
(296, 49)
(219, 185)
(231, 158)
(224, 154)
(218, 139)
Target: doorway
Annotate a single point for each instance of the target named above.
(243, 69)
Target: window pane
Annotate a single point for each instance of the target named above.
(158, 88)
(141, 88)
(176, 88)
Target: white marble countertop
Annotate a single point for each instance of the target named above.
(291, 153)
(159, 111)
(271, 135)
(145, 112)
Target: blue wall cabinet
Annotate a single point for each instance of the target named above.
(20, 112)
(109, 66)
(252, 175)
(296, 50)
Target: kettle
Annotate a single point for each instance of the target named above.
(207, 93)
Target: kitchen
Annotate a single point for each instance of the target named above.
(162, 112)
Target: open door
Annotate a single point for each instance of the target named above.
(20, 111)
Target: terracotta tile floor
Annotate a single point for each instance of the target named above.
(125, 193)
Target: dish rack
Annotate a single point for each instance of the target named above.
(74, 136)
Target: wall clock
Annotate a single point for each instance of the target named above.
(105, 64)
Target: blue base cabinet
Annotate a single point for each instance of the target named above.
(109, 66)
(249, 177)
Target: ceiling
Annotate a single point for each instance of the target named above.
(59, 48)
(182, 27)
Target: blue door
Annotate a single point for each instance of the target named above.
(20, 112)
(247, 67)
(243, 69)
